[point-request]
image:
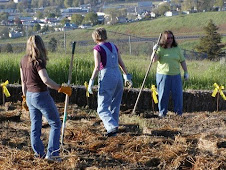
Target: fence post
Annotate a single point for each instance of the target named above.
(130, 48)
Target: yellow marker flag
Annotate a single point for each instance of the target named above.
(218, 89)
(86, 86)
(4, 88)
(154, 93)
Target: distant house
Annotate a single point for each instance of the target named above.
(100, 18)
(9, 10)
(74, 10)
(121, 19)
(153, 15)
(143, 7)
(4, 1)
(69, 26)
(171, 13)
(15, 34)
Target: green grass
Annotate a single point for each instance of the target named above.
(203, 74)
(191, 24)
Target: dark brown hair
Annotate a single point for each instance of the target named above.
(163, 41)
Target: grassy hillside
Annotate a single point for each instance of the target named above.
(191, 24)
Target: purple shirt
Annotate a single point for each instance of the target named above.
(103, 57)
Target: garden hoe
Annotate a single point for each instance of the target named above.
(67, 97)
(149, 67)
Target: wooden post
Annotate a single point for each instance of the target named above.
(130, 48)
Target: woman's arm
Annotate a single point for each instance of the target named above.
(184, 66)
(24, 88)
(97, 64)
(46, 80)
(121, 64)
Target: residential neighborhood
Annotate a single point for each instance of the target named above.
(21, 18)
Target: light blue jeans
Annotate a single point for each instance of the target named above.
(167, 84)
(41, 103)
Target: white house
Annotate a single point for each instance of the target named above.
(171, 13)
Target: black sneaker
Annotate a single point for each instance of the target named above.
(113, 133)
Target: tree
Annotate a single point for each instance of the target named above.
(52, 45)
(8, 48)
(39, 14)
(163, 8)
(36, 27)
(64, 21)
(20, 7)
(59, 3)
(44, 29)
(204, 5)
(4, 33)
(219, 3)
(4, 16)
(186, 5)
(77, 19)
(91, 18)
(210, 43)
(68, 3)
(34, 3)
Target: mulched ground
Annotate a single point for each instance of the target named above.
(193, 141)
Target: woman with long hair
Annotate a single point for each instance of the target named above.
(35, 80)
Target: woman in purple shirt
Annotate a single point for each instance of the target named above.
(107, 61)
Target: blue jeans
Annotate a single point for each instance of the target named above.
(41, 103)
(167, 84)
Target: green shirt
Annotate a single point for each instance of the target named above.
(169, 60)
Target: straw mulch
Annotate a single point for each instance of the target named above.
(193, 141)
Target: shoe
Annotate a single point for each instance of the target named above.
(39, 156)
(112, 133)
(53, 158)
(161, 116)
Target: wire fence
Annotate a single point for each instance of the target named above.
(128, 45)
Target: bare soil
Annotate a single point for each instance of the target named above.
(192, 141)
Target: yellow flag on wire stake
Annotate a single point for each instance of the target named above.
(86, 86)
(154, 93)
(4, 88)
(218, 89)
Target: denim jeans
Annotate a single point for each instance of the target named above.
(41, 103)
(167, 84)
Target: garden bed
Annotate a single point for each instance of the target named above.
(195, 140)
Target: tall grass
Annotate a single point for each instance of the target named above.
(203, 74)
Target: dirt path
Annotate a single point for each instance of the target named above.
(193, 141)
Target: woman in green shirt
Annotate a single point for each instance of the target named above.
(168, 76)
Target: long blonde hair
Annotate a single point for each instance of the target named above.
(36, 49)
